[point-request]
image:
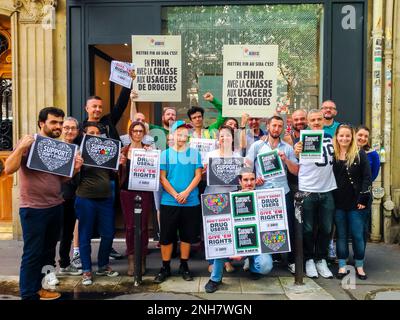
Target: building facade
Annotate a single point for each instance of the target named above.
(347, 51)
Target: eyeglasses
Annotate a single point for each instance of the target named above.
(137, 131)
(70, 128)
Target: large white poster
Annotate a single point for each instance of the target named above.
(144, 173)
(249, 83)
(158, 68)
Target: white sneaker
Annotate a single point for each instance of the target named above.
(323, 269)
(292, 268)
(246, 265)
(51, 279)
(311, 270)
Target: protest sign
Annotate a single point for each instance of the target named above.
(121, 73)
(144, 173)
(158, 67)
(204, 146)
(217, 222)
(224, 171)
(249, 80)
(312, 145)
(100, 152)
(271, 164)
(245, 223)
(274, 229)
(52, 156)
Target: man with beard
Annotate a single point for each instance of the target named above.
(251, 135)
(329, 111)
(299, 122)
(41, 208)
(286, 153)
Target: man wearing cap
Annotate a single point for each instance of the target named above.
(180, 206)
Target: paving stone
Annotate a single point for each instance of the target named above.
(265, 285)
(229, 285)
(230, 296)
(177, 284)
(309, 291)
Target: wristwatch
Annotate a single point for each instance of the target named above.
(243, 128)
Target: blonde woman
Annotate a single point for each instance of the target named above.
(353, 178)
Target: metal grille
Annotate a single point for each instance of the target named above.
(295, 28)
(5, 115)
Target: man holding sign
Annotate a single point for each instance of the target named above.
(40, 212)
(268, 155)
(259, 264)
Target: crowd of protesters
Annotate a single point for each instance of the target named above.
(336, 191)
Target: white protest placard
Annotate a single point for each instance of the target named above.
(312, 145)
(158, 68)
(274, 228)
(144, 173)
(249, 80)
(121, 73)
(204, 146)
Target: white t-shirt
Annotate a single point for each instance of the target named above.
(218, 189)
(318, 176)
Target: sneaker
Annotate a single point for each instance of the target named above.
(311, 270)
(292, 268)
(76, 261)
(246, 265)
(115, 255)
(331, 251)
(107, 271)
(212, 286)
(71, 270)
(87, 278)
(185, 272)
(162, 275)
(255, 276)
(48, 295)
(323, 269)
(51, 279)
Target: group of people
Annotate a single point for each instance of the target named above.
(336, 191)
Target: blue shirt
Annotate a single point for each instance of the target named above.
(180, 170)
(332, 128)
(260, 147)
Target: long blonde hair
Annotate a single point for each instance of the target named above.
(353, 150)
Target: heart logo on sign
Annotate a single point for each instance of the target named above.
(274, 239)
(226, 169)
(216, 202)
(53, 155)
(101, 151)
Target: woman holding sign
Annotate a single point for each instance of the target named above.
(225, 150)
(353, 177)
(137, 131)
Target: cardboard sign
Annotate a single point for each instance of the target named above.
(121, 73)
(100, 152)
(204, 146)
(158, 67)
(312, 145)
(249, 80)
(52, 156)
(271, 164)
(224, 171)
(144, 173)
(245, 223)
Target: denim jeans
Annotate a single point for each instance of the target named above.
(353, 222)
(318, 211)
(261, 263)
(40, 231)
(88, 211)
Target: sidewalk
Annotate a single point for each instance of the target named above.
(382, 266)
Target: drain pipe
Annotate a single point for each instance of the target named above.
(388, 204)
(377, 190)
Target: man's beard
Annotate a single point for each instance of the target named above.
(168, 123)
(299, 128)
(274, 136)
(328, 117)
(52, 134)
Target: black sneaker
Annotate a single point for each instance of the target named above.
(185, 272)
(115, 255)
(255, 276)
(212, 286)
(162, 275)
